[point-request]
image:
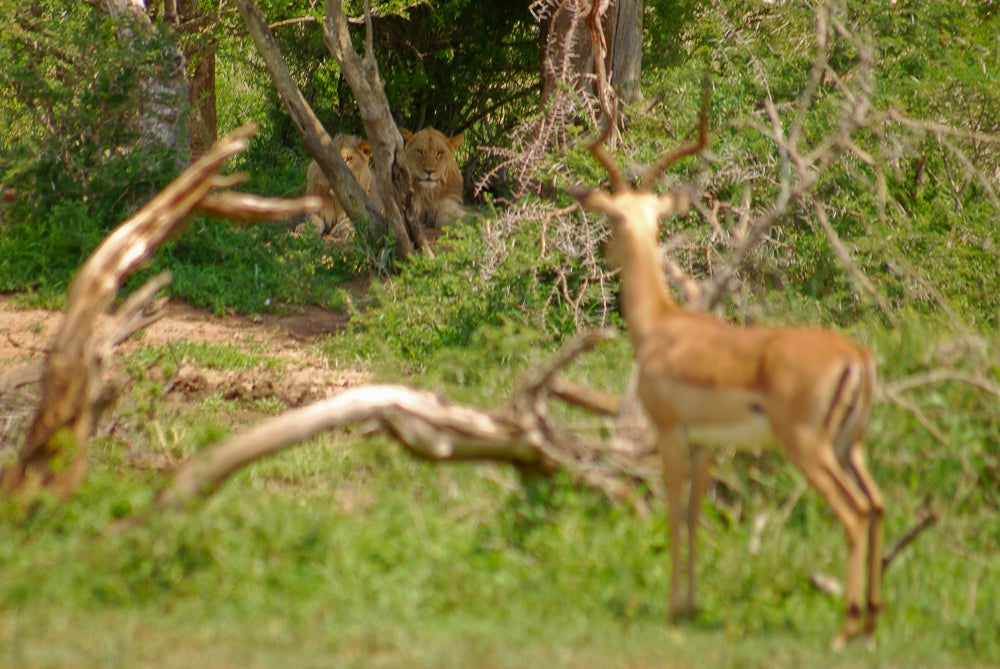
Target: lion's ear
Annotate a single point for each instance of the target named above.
(456, 141)
(364, 148)
(407, 135)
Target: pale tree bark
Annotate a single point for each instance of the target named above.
(73, 390)
(191, 79)
(392, 179)
(358, 205)
(163, 95)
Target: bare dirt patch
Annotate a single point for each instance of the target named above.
(303, 373)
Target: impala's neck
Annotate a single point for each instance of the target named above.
(645, 296)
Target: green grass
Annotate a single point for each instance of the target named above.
(264, 575)
(205, 354)
(347, 552)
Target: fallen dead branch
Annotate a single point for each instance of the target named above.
(426, 424)
(522, 434)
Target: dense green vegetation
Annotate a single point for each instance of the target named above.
(346, 551)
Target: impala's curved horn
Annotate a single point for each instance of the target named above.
(654, 172)
(618, 180)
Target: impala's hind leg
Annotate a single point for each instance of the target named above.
(815, 458)
(856, 462)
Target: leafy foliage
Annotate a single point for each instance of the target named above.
(444, 302)
(72, 150)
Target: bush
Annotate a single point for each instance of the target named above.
(72, 150)
(475, 284)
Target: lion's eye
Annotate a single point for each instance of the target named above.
(420, 152)
(440, 154)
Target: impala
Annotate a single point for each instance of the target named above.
(706, 383)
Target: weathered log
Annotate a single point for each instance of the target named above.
(427, 425)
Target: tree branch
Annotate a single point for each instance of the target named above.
(318, 143)
(521, 433)
(73, 393)
(928, 520)
(421, 421)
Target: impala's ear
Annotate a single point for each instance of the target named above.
(591, 198)
(674, 203)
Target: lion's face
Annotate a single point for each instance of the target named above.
(431, 157)
(355, 155)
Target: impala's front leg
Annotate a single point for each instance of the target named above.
(673, 452)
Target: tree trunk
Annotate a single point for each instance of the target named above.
(625, 49)
(567, 53)
(200, 55)
(392, 179)
(163, 96)
(356, 203)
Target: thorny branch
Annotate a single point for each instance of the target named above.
(802, 166)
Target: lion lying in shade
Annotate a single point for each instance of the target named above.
(332, 219)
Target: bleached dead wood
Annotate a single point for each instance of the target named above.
(73, 389)
(426, 424)
(522, 433)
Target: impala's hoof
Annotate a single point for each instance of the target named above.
(840, 641)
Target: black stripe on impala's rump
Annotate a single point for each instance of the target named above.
(844, 402)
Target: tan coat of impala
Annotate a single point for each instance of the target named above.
(706, 383)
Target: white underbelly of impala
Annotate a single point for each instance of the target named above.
(751, 433)
(717, 417)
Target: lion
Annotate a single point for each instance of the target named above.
(437, 183)
(355, 154)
